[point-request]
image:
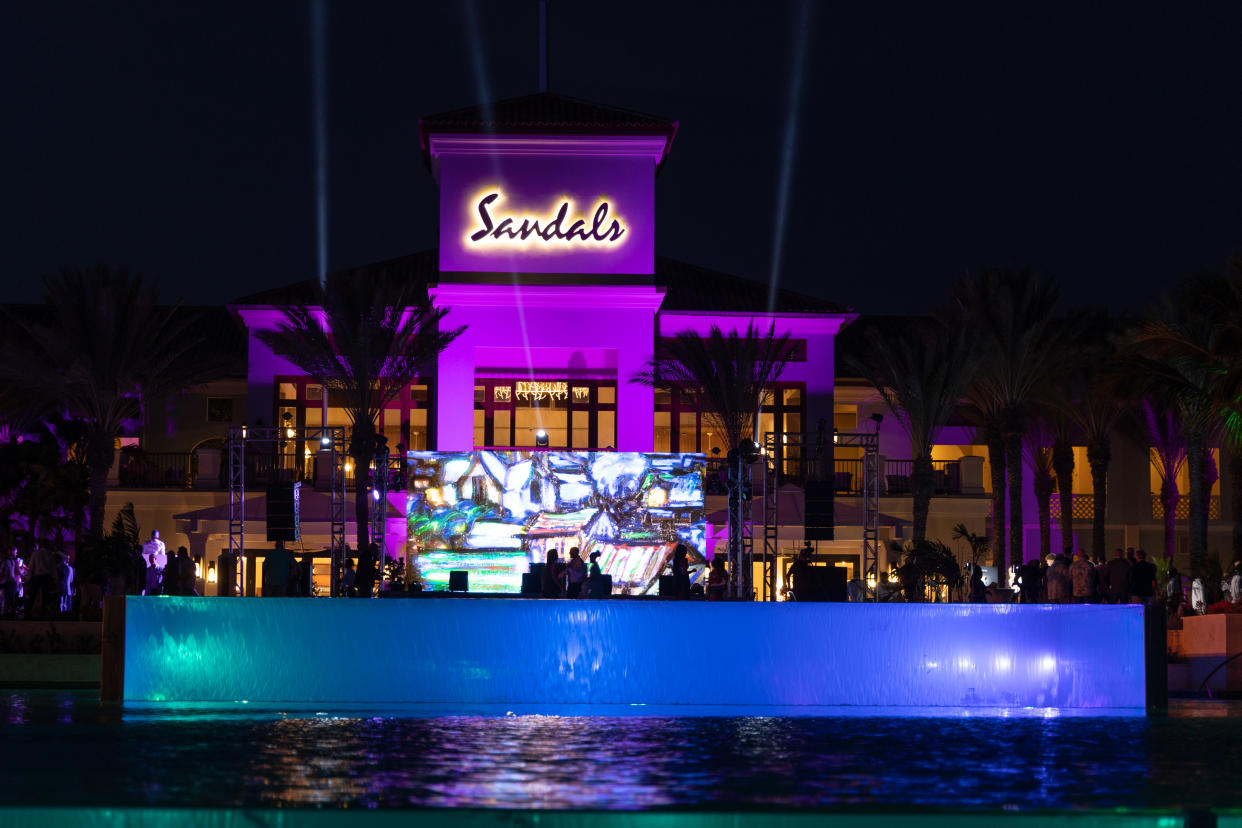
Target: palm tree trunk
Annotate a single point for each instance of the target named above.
(922, 482)
(362, 450)
(996, 459)
(1063, 465)
(1099, 455)
(100, 454)
(1235, 479)
(1013, 462)
(1196, 449)
(1168, 500)
(1043, 499)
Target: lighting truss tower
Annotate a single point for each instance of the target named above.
(741, 541)
(775, 451)
(379, 502)
(330, 438)
(771, 511)
(870, 444)
(235, 447)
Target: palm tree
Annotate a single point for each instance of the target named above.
(1063, 468)
(1168, 448)
(102, 349)
(1056, 438)
(1187, 356)
(366, 338)
(1011, 313)
(921, 374)
(726, 377)
(1095, 406)
(1039, 456)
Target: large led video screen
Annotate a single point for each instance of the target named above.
(493, 513)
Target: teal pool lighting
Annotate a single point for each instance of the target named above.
(976, 657)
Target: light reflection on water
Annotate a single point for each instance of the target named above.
(212, 757)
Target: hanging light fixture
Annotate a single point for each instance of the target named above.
(211, 572)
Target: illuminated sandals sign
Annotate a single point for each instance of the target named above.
(545, 213)
(498, 226)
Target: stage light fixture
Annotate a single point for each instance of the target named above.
(325, 441)
(211, 572)
(541, 439)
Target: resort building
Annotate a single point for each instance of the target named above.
(547, 257)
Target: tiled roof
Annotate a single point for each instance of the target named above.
(852, 341)
(693, 288)
(422, 267)
(687, 287)
(544, 111)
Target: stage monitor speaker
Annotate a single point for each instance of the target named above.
(283, 520)
(607, 588)
(459, 580)
(532, 584)
(819, 517)
(835, 584)
(821, 583)
(668, 586)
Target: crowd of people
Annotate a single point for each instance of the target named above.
(1128, 577)
(576, 578)
(44, 583)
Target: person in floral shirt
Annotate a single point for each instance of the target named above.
(1082, 577)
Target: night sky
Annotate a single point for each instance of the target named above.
(1100, 145)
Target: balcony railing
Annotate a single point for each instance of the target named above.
(157, 470)
(847, 475)
(1083, 506)
(1182, 510)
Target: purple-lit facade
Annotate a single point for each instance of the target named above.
(547, 257)
(555, 326)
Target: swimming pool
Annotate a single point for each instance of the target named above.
(67, 749)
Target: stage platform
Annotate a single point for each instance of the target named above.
(534, 652)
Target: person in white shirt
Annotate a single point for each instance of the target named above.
(157, 558)
(1235, 584)
(9, 580)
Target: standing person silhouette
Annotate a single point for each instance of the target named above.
(157, 559)
(717, 579)
(575, 573)
(553, 576)
(595, 578)
(681, 572)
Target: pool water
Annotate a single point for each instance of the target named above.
(66, 749)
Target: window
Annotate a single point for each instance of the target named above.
(219, 409)
(680, 427)
(405, 421)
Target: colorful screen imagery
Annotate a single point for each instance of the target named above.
(493, 513)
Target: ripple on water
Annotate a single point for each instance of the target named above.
(215, 757)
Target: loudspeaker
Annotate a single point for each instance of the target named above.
(282, 511)
(819, 517)
(668, 586)
(459, 580)
(607, 587)
(532, 584)
(821, 583)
